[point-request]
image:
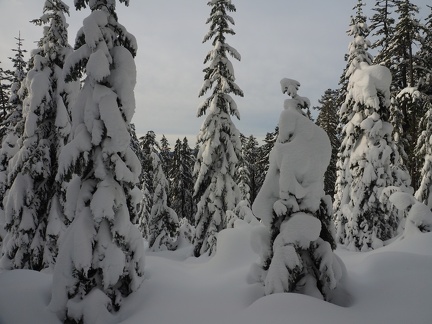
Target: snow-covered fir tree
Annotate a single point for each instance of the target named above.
(424, 55)
(218, 138)
(181, 189)
(252, 156)
(12, 126)
(406, 70)
(5, 84)
(148, 145)
(243, 173)
(136, 148)
(165, 154)
(382, 28)
(368, 163)
(101, 258)
(358, 53)
(424, 148)
(32, 227)
(296, 242)
(264, 154)
(358, 47)
(244, 178)
(163, 222)
(328, 119)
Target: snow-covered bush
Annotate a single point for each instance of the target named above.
(242, 211)
(419, 219)
(296, 253)
(186, 233)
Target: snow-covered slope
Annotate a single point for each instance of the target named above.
(390, 285)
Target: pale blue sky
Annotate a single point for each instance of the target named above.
(302, 40)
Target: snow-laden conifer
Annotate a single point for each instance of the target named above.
(5, 107)
(163, 222)
(181, 189)
(101, 258)
(296, 244)
(219, 139)
(328, 119)
(368, 163)
(424, 148)
(12, 128)
(13, 124)
(148, 145)
(32, 228)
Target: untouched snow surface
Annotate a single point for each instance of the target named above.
(390, 285)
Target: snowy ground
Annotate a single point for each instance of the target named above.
(390, 285)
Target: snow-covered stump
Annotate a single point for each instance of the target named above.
(296, 252)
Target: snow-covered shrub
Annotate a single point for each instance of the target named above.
(419, 219)
(296, 253)
(186, 233)
(242, 211)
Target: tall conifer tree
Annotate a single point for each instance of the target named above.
(219, 139)
(13, 125)
(328, 120)
(32, 230)
(367, 161)
(101, 258)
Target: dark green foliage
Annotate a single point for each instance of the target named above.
(181, 180)
(328, 120)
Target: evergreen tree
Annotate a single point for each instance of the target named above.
(424, 57)
(358, 53)
(328, 120)
(148, 145)
(163, 222)
(369, 163)
(243, 173)
(101, 258)
(382, 27)
(358, 47)
(219, 139)
(5, 84)
(296, 242)
(12, 127)
(252, 155)
(165, 154)
(424, 148)
(182, 181)
(32, 230)
(264, 154)
(368, 160)
(406, 70)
